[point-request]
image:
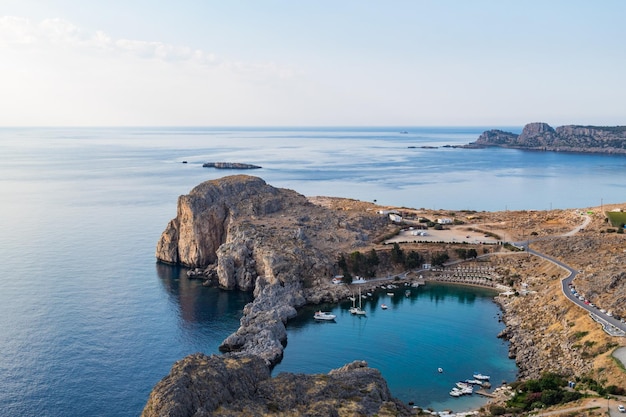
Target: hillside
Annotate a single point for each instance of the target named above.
(570, 138)
(239, 232)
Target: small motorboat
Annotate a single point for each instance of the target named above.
(456, 392)
(324, 315)
(481, 377)
(383, 306)
(390, 294)
(440, 370)
(474, 381)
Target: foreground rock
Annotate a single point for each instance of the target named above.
(571, 138)
(201, 385)
(242, 233)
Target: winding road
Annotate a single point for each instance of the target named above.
(610, 324)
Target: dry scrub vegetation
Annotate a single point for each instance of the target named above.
(547, 331)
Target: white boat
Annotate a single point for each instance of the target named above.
(324, 315)
(383, 306)
(481, 377)
(407, 293)
(440, 370)
(390, 294)
(474, 381)
(456, 392)
(358, 310)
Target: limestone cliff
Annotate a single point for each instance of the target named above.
(252, 236)
(571, 138)
(201, 385)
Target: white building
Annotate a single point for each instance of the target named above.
(444, 221)
(396, 218)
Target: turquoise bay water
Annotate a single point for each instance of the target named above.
(451, 327)
(89, 323)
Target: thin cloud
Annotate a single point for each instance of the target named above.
(17, 32)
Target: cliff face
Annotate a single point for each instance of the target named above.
(252, 236)
(201, 385)
(540, 136)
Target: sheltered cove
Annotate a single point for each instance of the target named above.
(283, 247)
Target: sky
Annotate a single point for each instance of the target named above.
(312, 63)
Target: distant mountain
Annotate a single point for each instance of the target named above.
(570, 138)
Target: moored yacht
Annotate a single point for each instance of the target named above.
(324, 315)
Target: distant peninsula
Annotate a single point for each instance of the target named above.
(570, 138)
(229, 165)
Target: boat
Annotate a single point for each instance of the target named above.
(358, 310)
(324, 315)
(481, 377)
(407, 293)
(474, 381)
(383, 306)
(390, 294)
(456, 392)
(440, 370)
(353, 308)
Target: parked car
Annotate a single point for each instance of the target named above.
(621, 408)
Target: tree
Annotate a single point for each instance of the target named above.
(471, 253)
(413, 260)
(397, 255)
(372, 258)
(343, 265)
(357, 261)
(439, 259)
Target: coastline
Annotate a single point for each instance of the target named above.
(253, 257)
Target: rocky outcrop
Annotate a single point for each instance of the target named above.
(201, 385)
(255, 237)
(229, 165)
(571, 138)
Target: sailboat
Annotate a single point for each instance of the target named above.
(354, 308)
(358, 310)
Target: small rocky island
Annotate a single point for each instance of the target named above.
(229, 165)
(570, 138)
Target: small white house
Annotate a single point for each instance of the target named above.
(386, 212)
(396, 218)
(444, 221)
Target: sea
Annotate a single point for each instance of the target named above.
(90, 322)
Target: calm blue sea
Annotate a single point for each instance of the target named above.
(89, 323)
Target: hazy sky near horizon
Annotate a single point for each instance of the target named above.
(312, 63)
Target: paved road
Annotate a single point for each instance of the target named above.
(611, 325)
(597, 404)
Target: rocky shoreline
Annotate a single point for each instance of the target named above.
(229, 165)
(572, 138)
(239, 232)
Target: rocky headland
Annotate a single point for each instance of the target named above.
(239, 232)
(570, 138)
(201, 385)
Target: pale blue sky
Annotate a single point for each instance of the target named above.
(288, 62)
